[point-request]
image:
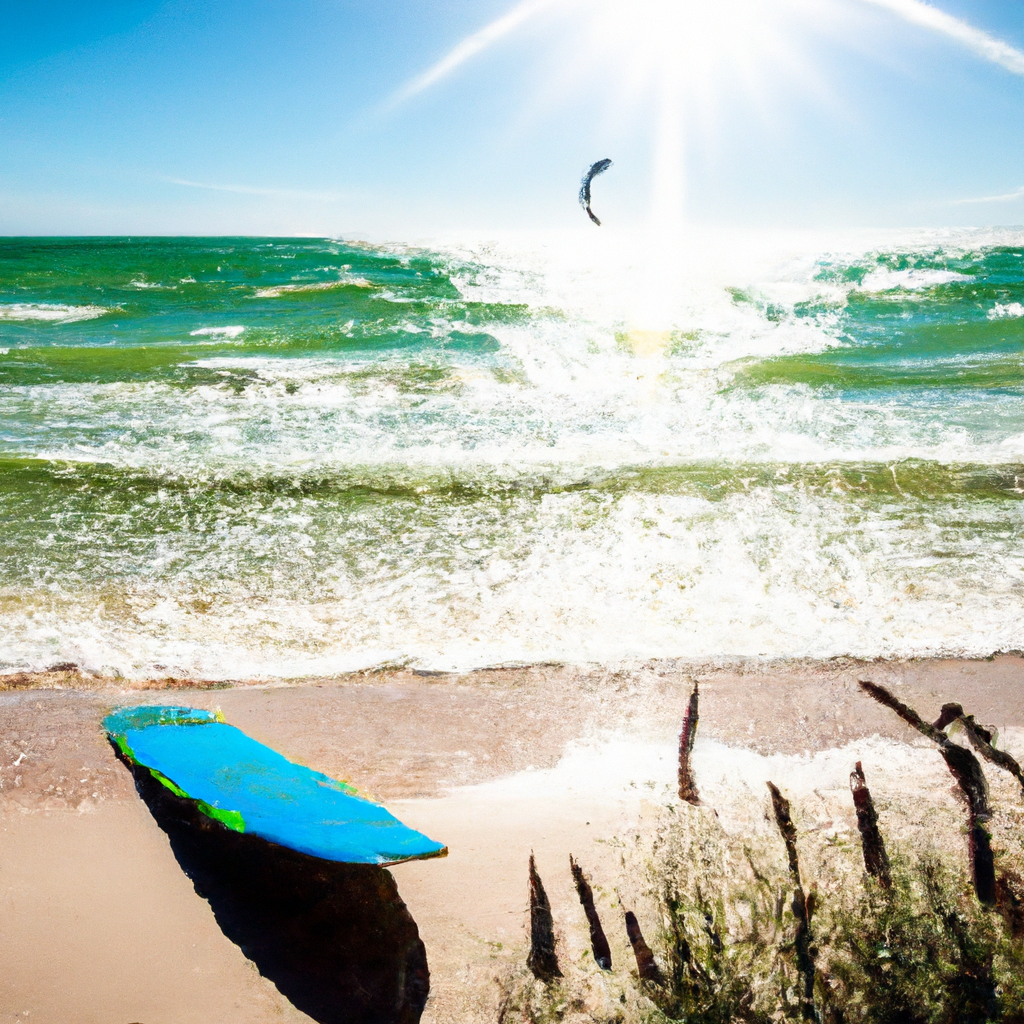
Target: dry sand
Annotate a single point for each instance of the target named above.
(99, 924)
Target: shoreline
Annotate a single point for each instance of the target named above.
(400, 734)
(70, 675)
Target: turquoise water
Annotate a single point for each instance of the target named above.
(234, 457)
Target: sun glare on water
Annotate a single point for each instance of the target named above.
(681, 64)
(687, 73)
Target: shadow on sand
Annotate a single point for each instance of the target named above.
(336, 939)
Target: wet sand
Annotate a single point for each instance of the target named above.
(99, 923)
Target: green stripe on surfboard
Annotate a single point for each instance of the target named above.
(248, 787)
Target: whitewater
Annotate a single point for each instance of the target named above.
(248, 458)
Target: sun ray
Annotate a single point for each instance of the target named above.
(681, 57)
(469, 48)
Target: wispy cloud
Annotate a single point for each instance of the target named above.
(1006, 198)
(469, 47)
(249, 190)
(984, 45)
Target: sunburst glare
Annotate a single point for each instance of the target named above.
(684, 60)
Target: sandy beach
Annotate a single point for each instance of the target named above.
(100, 924)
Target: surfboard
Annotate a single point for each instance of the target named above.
(248, 787)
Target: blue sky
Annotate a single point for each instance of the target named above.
(279, 116)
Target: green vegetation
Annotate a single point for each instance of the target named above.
(921, 952)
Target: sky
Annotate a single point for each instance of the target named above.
(409, 119)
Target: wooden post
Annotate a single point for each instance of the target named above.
(598, 940)
(802, 942)
(542, 960)
(687, 786)
(876, 860)
(966, 769)
(645, 965)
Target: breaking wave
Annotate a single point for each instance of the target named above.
(488, 453)
(50, 312)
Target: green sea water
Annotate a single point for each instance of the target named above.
(239, 457)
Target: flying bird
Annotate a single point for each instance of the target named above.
(595, 169)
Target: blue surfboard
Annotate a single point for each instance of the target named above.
(248, 787)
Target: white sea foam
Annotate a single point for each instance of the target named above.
(311, 286)
(631, 370)
(569, 576)
(624, 766)
(55, 312)
(1001, 311)
(217, 332)
(908, 280)
(633, 775)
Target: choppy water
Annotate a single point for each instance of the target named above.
(249, 456)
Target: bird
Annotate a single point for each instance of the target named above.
(595, 169)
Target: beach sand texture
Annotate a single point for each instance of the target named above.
(100, 924)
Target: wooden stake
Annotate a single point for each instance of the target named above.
(802, 942)
(645, 965)
(542, 960)
(687, 786)
(598, 940)
(876, 860)
(966, 769)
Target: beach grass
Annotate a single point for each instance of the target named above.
(922, 950)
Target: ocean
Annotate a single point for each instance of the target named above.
(253, 457)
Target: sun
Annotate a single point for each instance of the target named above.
(679, 58)
(689, 57)
(687, 60)
(693, 42)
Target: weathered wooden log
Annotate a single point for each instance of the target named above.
(966, 769)
(802, 941)
(981, 740)
(598, 940)
(646, 966)
(542, 959)
(908, 714)
(971, 779)
(876, 860)
(687, 785)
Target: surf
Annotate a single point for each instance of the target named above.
(311, 455)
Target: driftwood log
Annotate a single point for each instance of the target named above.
(645, 963)
(598, 940)
(981, 740)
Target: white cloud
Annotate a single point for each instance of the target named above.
(249, 190)
(984, 45)
(1005, 198)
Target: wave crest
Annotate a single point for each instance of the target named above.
(53, 312)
